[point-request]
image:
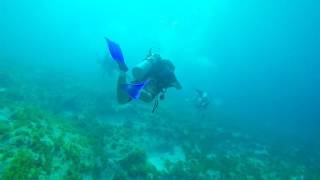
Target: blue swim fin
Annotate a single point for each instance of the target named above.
(117, 55)
(133, 90)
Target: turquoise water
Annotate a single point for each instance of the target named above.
(258, 61)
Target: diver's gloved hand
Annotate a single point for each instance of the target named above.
(177, 85)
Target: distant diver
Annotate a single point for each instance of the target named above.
(152, 77)
(201, 100)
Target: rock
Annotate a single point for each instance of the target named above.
(256, 162)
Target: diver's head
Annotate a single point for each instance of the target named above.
(167, 67)
(170, 74)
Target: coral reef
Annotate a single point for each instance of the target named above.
(70, 133)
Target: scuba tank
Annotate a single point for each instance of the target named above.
(141, 70)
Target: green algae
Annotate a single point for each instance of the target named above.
(120, 175)
(35, 131)
(24, 117)
(23, 166)
(5, 128)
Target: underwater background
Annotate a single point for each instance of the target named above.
(257, 60)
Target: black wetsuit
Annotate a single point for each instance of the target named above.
(161, 76)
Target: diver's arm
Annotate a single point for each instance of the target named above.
(146, 96)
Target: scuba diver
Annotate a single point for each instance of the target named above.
(152, 77)
(201, 100)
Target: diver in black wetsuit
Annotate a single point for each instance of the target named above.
(157, 71)
(152, 77)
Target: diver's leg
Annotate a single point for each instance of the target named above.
(122, 96)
